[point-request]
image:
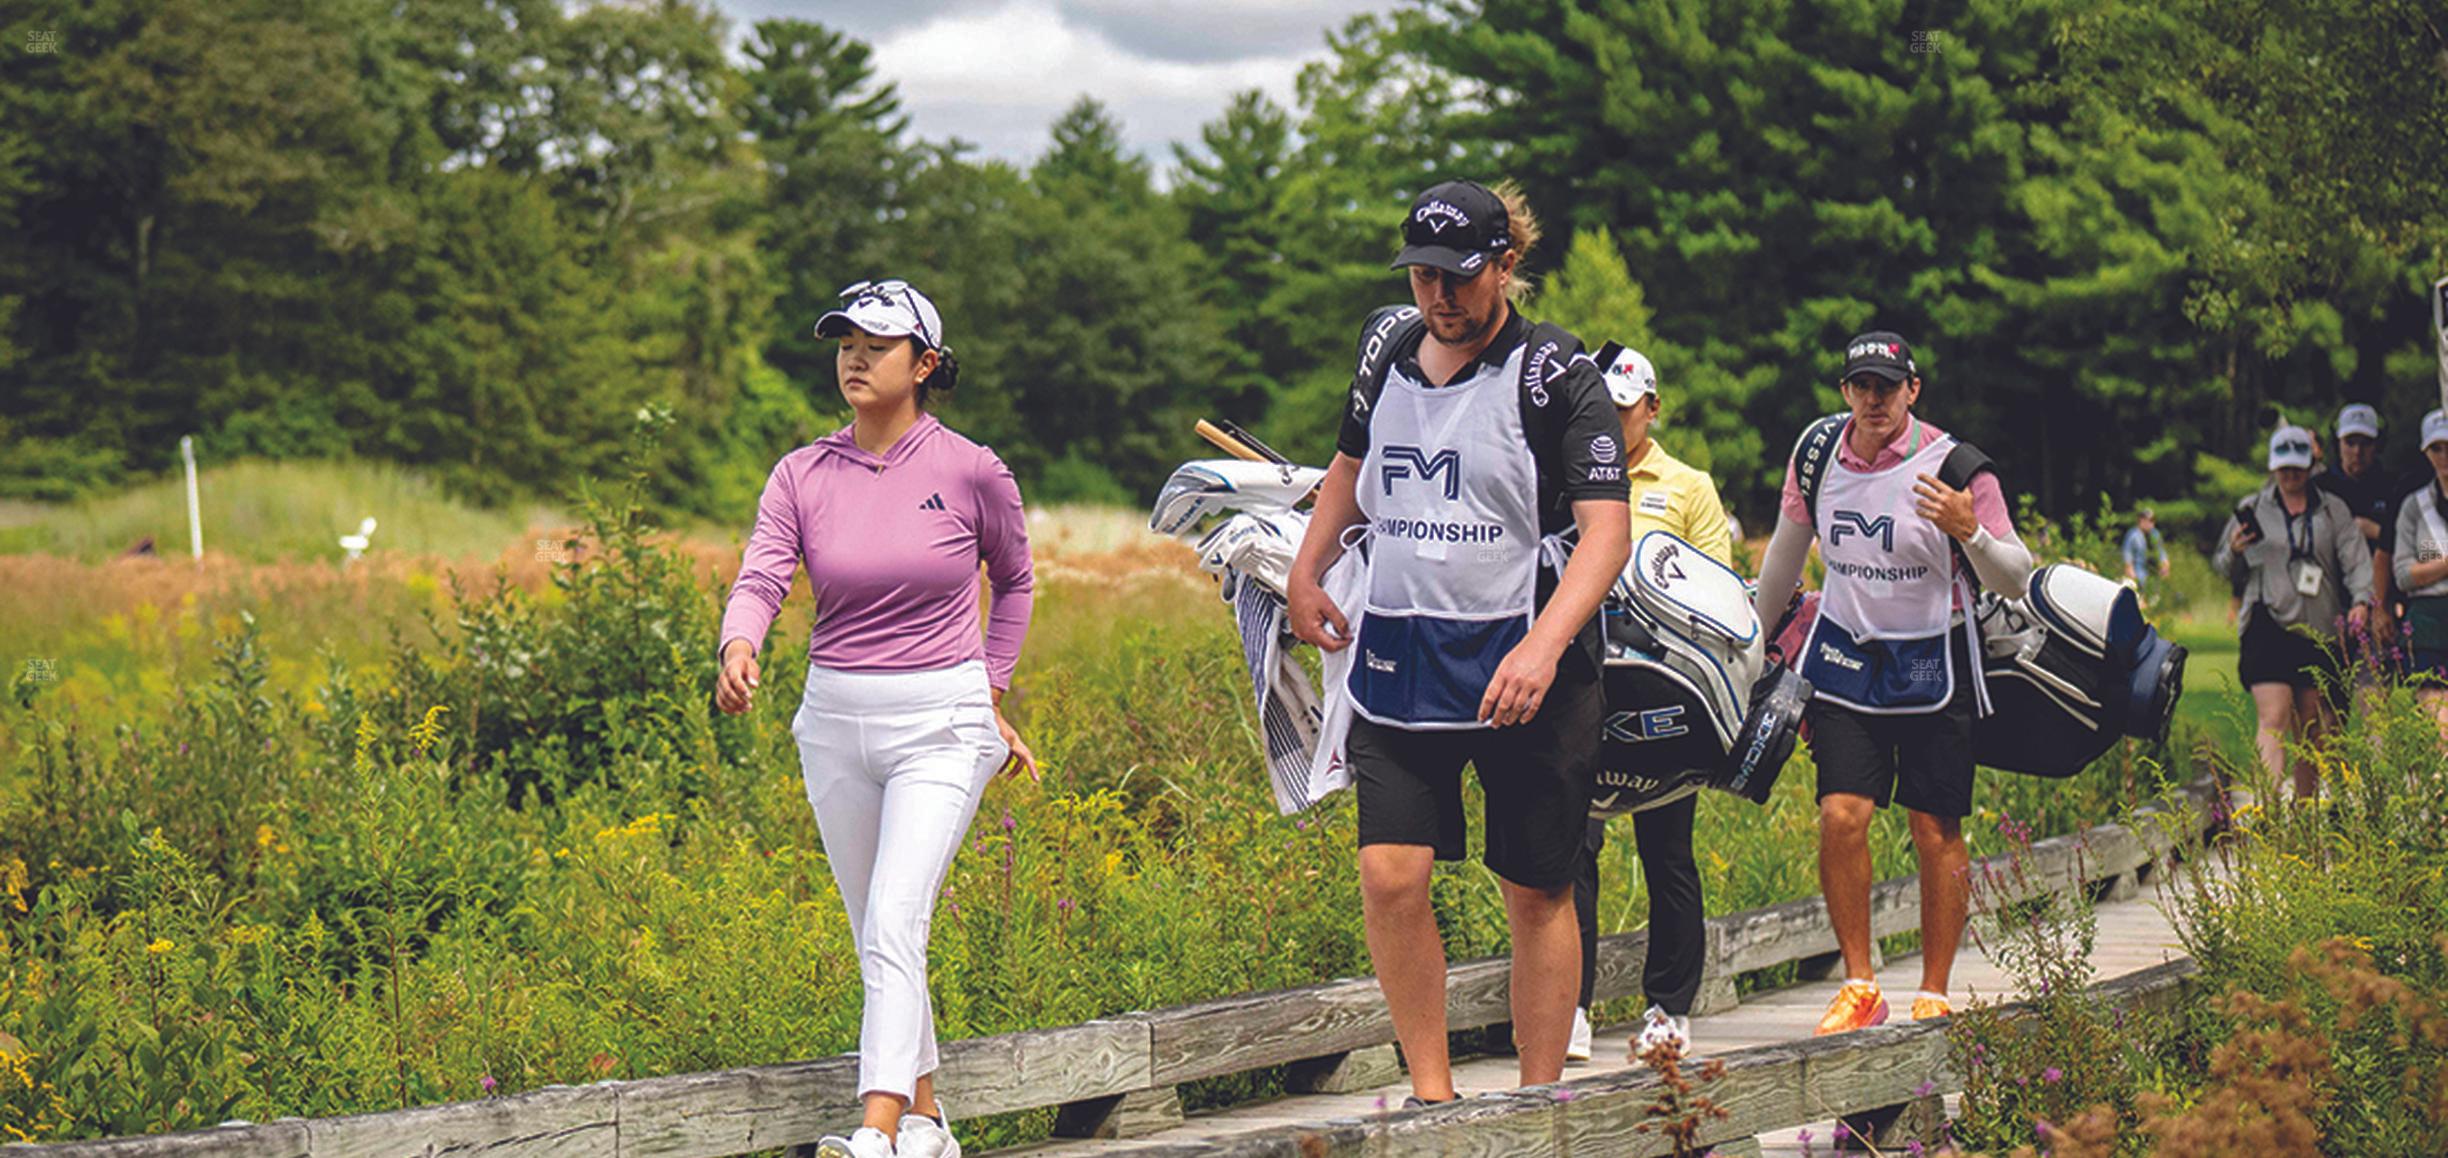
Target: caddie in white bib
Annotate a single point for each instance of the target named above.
(1450, 491)
(1880, 644)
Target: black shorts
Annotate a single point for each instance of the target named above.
(2273, 654)
(1922, 761)
(1535, 780)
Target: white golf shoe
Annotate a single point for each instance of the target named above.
(1659, 1026)
(864, 1142)
(924, 1137)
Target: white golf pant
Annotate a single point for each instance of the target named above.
(894, 764)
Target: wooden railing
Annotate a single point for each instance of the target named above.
(1117, 1077)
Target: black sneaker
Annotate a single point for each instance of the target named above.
(1416, 1102)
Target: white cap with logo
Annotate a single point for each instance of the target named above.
(2358, 418)
(888, 309)
(1629, 376)
(2290, 445)
(2434, 428)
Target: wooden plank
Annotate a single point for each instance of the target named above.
(1362, 1069)
(554, 1122)
(1132, 1115)
(1791, 931)
(708, 1113)
(282, 1139)
(386, 1135)
(1873, 1068)
(1516, 1124)
(1606, 1115)
(1767, 1089)
(1245, 1033)
(1620, 958)
(1024, 1071)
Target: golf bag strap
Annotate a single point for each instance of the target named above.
(1814, 453)
(1540, 367)
(1962, 463)
(1389, 329)
(1606, 355)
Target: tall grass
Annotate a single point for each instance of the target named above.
(266, 512)
(2318, 1023)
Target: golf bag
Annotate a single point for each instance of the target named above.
(1691, 702)
(2072, 667)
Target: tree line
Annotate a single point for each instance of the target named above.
(481, 236)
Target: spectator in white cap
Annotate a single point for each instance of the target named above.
(2372, 495)
(1667, 495)
(2421, 563)
(2305, 567)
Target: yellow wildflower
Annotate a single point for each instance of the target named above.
(160, 946)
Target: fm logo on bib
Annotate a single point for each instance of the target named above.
(1411, 462)
(1881, 528)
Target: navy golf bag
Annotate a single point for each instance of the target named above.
(2071, 667)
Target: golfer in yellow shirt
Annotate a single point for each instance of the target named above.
(1667, 495)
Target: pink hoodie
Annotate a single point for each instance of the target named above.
(892, 547)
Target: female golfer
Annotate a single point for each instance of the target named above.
(901, 726)
(2304, 565)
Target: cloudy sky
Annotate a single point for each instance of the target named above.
(997, 72)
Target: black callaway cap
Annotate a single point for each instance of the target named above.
(1456, 227)
(1878, 352)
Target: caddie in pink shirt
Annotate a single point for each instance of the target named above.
(1892, 659)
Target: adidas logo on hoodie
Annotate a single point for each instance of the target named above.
(934, 502)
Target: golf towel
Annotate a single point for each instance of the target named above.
(1303, 735)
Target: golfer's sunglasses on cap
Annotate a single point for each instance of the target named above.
(888, 291)
(2293, 446)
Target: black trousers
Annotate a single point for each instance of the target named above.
(1678, 936)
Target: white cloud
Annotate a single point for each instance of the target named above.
(1213, 30)
(999, 78)
(997, 72)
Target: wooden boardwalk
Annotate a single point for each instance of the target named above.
(2135, 934)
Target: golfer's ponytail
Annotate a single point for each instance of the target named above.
(945, 378)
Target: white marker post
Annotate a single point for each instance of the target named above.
(2439, 326)
(195, 516)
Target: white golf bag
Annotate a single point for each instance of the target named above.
(1691, 700)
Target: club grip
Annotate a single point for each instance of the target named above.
(1227, 443)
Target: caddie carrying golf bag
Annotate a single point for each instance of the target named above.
(2069, 668)
(2072, 667)
(1691, 702)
